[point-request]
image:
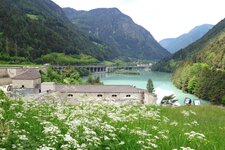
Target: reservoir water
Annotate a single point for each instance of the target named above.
(161, 80)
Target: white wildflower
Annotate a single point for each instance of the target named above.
(51, 130)
(153, 145)
(192, 112)
(65, 146)
(185, 113)
(165, 119)
(71, 140)
(154, 128)
(19, 115)
(23, 137)
(194, 123)
(186, 148)
(1, 117)
(140, 142)
(122, 143)
(13, 146)
(106, 138)
(46, 148)
(174, 123)
(195, 135)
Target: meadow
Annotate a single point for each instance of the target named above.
(28, 124)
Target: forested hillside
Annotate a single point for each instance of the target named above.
(200, 68)
(112, 26)
(32, 28)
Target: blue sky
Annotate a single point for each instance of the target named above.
(163, 18)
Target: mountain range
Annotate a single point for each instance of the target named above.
(200, 67)
(32, 28)
(175, 44)
(119, 30)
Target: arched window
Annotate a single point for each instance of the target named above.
(114, 95)
(99, 95)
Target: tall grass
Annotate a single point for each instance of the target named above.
(26, 124)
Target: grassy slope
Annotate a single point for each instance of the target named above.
(29, 125)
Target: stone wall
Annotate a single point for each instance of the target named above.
(4, 77)
(47, 86)
(120, 97)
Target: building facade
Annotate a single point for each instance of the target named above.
(116, 93)
(28, 82)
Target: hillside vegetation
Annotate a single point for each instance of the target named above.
(200, 68)
(32, 28)
(27, 124)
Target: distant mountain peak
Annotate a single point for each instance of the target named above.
(119, 30)
(175, 44)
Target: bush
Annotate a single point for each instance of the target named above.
(223, 100)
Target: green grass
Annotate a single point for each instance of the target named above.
(26, 124)
(128, 72)
(62, 59)
(4, 64)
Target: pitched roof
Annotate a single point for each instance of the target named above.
(98, 89)
(30, 74)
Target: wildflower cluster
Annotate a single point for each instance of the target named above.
(30, 124)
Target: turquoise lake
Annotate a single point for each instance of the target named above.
(161, 80)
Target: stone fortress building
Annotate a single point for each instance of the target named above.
(27, 81)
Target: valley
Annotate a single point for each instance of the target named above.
(92, 75)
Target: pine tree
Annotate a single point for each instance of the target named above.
(150, 86)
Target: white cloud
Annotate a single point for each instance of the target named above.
(163, 18)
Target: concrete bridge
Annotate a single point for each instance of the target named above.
(99, 68)
(91, 68)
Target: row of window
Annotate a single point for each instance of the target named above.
(100, 95)
(114, 95)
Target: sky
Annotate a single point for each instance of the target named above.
(162, 18)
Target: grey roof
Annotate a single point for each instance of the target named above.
(30, 74)
(98, 89)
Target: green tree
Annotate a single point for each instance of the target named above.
(93, 81)
(150, 86)
(223, 100)
(90, 80)
(192, 84)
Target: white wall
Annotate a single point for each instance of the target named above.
(26, 83)
(47, 86)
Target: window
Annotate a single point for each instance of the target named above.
(99, 95)
(114, 95)
(70, 95)
(128, 95)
